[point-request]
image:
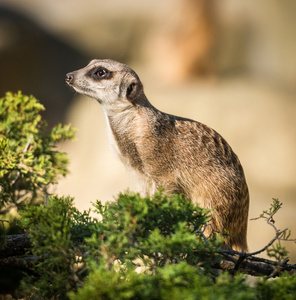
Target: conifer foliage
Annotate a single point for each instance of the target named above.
(29, 161)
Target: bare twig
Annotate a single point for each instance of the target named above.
(238, 253)
(19, 200)
(7, 209)
(274, 267)
(4, 221)
(202, 233)
(25, 262)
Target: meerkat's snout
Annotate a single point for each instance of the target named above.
(69, 78)
(182, 155)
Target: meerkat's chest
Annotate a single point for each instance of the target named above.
(111, 139)
(122, 141)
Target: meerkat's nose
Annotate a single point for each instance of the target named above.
(69, 77)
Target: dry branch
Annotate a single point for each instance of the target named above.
(16, 245)
(14, 255)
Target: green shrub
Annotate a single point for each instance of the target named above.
(173, 282)
(56, 243)
(135, 248)
(129, 252)
(283, 288)
(29, 161)
(157, 230)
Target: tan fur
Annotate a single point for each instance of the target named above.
(182, 155)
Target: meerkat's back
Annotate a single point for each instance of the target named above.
(182, 155)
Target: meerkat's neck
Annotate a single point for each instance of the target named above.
(126, 124)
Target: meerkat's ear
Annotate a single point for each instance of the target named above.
(133, 91)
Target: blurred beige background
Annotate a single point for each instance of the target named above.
(230, 64)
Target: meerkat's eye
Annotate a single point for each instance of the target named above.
(101, 73)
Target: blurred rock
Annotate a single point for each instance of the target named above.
(182, 43)
(35, 61)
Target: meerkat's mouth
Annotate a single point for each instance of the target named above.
(84, 91)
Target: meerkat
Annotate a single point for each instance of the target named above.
(181, 155)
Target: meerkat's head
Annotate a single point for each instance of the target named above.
(109, 82)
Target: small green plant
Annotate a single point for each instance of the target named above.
(276, 251)
(29, 161)
(274, 208)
